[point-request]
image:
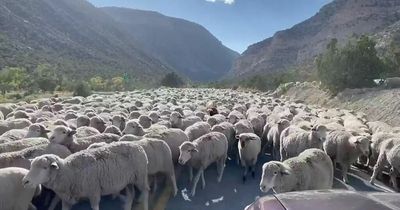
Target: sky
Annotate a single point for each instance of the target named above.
(236, 23)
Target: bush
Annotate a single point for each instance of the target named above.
(354, 66)
(82, 89)
(172, 80)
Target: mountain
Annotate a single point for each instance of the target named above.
(78, 38)
(182, 45)
(298, 46)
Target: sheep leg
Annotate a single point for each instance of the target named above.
(393, 178)
(95, 202)
(244, 174)
(380, 163)
(220, 168)
(145, 199)
(203, 181)
(130, 196)
(253, 171)
(195, 181)
(54, 203)
(190, 174)
(345, 168)
(173, 182)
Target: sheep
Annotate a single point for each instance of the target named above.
(93, 173)
(274, 135)
(21, 158)
(376, 141)
(154, 116)
(235, 116)
(14, 124)
(98, 123)
(22, 144)
(145, 121)
(393, 160)
(196, 130)
(249, 148)
(159, 156)
(382, 160)
(344, 148)
(379, 127)
(216, 119)
(113, 129)
(7, 108)
(177, 120)
(243, 126)
(311, 170)
(64, 136)
(34, 130)
(13, 194)
(97, 145)
(134, 128)
(199, 154)
(295, 143)
(82, 120)
(174, 137)
(229, 131)
(86, 131)
(258, 124)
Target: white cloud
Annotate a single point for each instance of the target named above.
(225, 1)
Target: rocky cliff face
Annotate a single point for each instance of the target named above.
(299, 45)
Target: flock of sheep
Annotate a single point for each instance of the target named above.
(122, 144)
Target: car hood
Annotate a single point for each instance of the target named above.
(329, 200)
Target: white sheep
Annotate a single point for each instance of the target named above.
(243, 126)
(113, 129)
(274, 135)
(229, 131)
(376, 142)
(7, 125)
(311, 170)
(118, 121)
(13, 194)
(196, 130)
(82, 120)
(177, 120)
(22, 144)
(93, 173)
(85, 131)
(199, 154)
(160, 159)
(235, 116)
(295, 143)
(382, 161)
(65, 136)
(98, 123)
(145, 121)
(393, 158)
(249, 147)
(134, 128)
(216, 119)
(21, 158)
(174, 137)
(345, 149)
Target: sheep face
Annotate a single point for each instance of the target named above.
(186, 152)
(118, 121)
(98, 123)
(154, 117)
(282, 124)
(272, 175)
(212, 121)
(145, 121)
(244, 139)
(62, 135)
(41, 171)
(133, 128)
(37, 130)
(362, 144)
(176, 119)
(320, 132)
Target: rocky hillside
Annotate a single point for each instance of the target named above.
(376, 103)
(75, 36)
(185, 46)
(299, 45)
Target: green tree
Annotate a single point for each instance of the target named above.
(172, 80)
(354, 66)
(117, 83)
(46, 77)
(97, 83)
(13, 78)
(82, 89)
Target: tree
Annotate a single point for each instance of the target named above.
(97, 83)
(46, 77)
(172, 80)
(117, 83)
(82, 89)
(13, 78)
(354, 66)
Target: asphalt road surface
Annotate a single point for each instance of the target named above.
(230, 194)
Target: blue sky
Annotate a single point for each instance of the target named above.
(237, 23)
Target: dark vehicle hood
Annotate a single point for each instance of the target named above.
(328, 200)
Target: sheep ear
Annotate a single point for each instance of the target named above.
(71, 133)
(110, 120)
(285, 172)
(195, 150)
(54, 165)
(46, 130)
(30, 160)
(237, 137)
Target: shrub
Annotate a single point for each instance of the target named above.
(172, 80)
(82, 89)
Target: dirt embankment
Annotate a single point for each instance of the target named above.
(376, 103)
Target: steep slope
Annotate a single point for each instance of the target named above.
(185, 46)
(72, 34)
(299, 45)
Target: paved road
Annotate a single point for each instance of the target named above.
(230, 194)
